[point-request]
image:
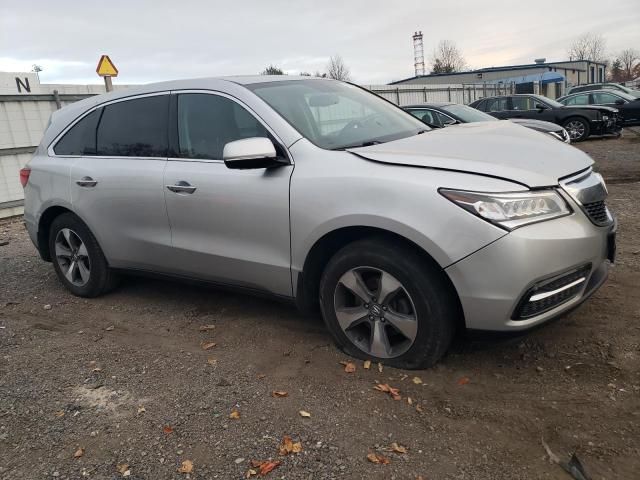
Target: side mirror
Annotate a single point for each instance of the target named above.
(541, 106)
(451, 122)
(619, 102)
(256, 152)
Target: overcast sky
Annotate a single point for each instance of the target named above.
(152, 40)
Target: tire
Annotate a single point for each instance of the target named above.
(578, 128)
(78, 259)
(424, 295)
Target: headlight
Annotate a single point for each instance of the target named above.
(511, 210)
(605, 117)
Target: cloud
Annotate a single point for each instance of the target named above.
(151, 40)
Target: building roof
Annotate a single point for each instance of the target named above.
(505, 68)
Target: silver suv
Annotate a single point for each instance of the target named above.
(320, 192)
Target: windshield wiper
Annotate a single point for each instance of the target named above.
(358, 145)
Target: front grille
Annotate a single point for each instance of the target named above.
(548, 294)
(597, 212)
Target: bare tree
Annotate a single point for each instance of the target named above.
(590, 46)
(628, 60)
(337, 69)
(447, 58)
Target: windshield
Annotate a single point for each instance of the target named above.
(548, 101)
(335, 115)
(468, 114)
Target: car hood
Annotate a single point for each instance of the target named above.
(601, 108)
(496, 149)
(539, 125)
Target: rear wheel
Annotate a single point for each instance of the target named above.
(388, 304)
(578, 129)
(77, 258)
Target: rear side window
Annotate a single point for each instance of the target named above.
(81, 138)
(582, 99)
(497, 104)
(135, 128)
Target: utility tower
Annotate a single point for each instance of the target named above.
(418, 53)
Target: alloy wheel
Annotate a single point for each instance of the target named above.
(72, 257)
(576, 129)
(375, 311)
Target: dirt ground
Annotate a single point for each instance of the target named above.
(122, 386)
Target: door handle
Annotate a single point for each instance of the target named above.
(182, 187)
(87, 182)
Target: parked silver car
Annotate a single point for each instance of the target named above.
(323, 193)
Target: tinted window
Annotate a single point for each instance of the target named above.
(135, 128)
(481, 105)
(429, 116)
(578, 100)
(523, 103)
(603, 97)
(81, 138)
(496, 104)
(206, 123)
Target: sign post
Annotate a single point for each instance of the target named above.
(107, 69)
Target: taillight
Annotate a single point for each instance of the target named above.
(24, 176)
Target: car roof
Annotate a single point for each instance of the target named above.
(429, 105)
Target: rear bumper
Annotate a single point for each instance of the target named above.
(492, 282)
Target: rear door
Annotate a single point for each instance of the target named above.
(229, 226)
(116, 185)
(498, 107)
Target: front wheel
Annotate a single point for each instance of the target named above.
(578, 129)
(388, 304)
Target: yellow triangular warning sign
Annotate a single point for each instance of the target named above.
(106, 68)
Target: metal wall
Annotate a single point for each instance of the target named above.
(461, 93)
(23, 120)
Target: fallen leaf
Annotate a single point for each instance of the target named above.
(122, 467)
(419, 409)
(304, 414)
(59, 413)
(279, 393)
(409, 401)
(416, 380)
(97, 369)
(378, 459)
(261, 467)
(393, 392)
(403, 377)
(212, 361)
(141, 409)
(463, 380)
(398, 448)
(261, 376)
(380, 367)
(167, 429)
(208, 346)
(266, 467)
(288, 446)
(109, 328)
(186, 467)
(79, 452)
(205, 328)
(235, 414)
(349, 367)
(367, 364)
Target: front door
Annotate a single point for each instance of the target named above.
(228, 226)
(525, 107)
(116, 185)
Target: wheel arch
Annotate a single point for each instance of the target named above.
(44, 226)
(308, 281)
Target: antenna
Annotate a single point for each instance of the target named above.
(418, 53)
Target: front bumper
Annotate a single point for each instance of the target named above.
(492, 282)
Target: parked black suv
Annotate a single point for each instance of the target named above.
(580, 122)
